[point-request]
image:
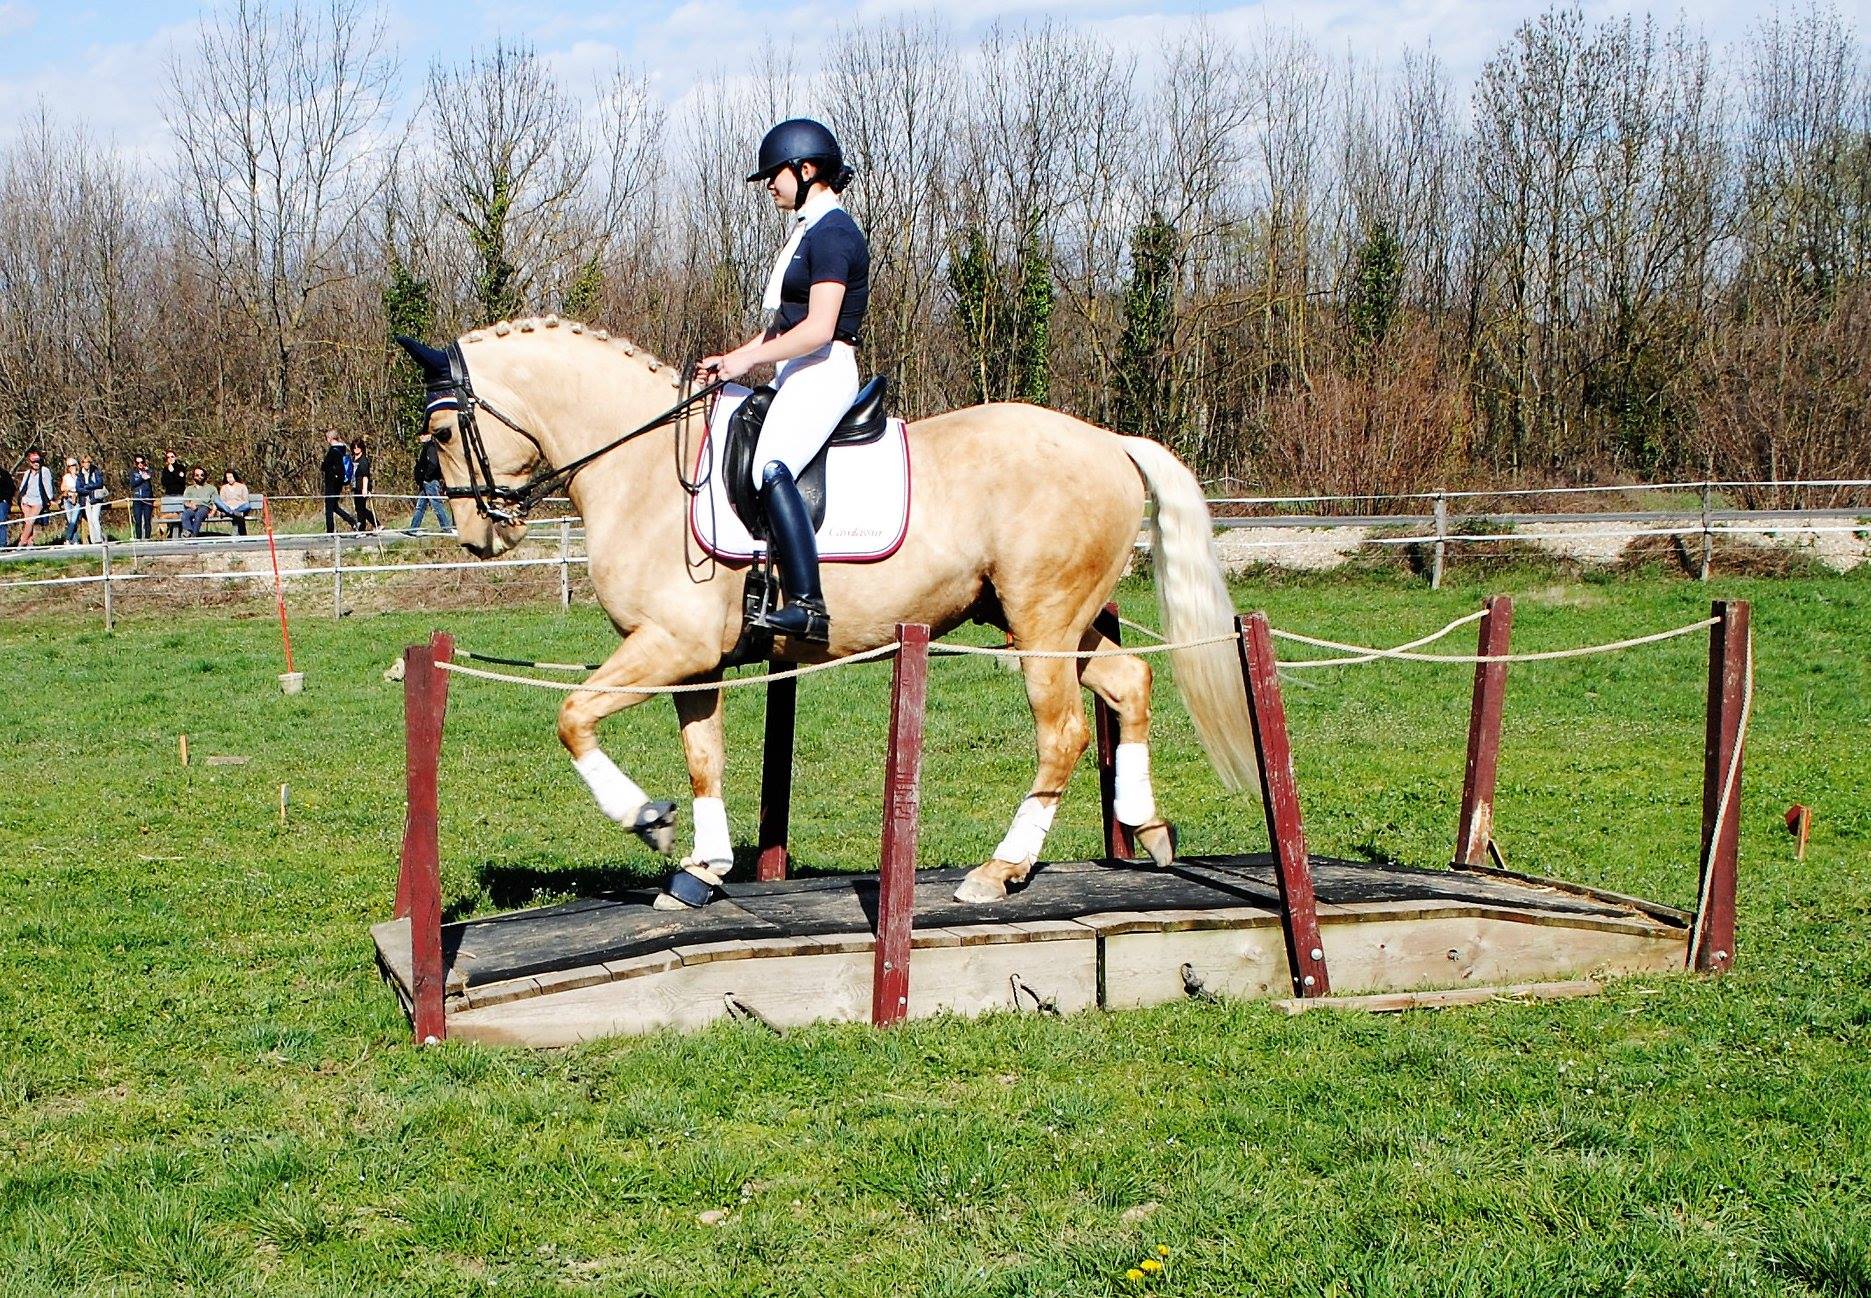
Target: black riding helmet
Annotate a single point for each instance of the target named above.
(800, 140)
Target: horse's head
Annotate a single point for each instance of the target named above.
(480, 454)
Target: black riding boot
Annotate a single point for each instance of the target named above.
(790, 532)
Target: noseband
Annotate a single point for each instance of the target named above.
(496, 501)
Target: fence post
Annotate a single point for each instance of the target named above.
(419, 883)
(776, 777)
(337, 576)
(1712, 939)
(896, 877)
(565, 563)
(110, 621)
(1475, 836)
(1708, 535)
(1292, 868)
(1118, 844)
(1442, 532)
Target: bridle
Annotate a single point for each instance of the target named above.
(496, 501)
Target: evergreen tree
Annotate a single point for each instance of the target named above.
(1143, 389)
(1376, 290)
(408, 309)
(1031, 325)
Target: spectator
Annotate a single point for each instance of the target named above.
(361, 485)
(430, 494)
(36, 495)
(234, 500)
(142, 498)
(174, 474)
(8, 489)
(174, 479)
(198, 502)
(68, 500)
(331, 474)
(92, 495)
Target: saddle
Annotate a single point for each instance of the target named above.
(862, 422)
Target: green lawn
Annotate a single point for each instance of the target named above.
(206, 1089)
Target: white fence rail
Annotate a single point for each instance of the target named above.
(1440, 528)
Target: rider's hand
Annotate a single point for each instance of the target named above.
(705, 369)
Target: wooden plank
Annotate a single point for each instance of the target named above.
(1712, 944)
(1476, 830)
(419, 886)
(1118, 842)
(776, 776)
(1397, 1002)
(1299, 918)
(896, 889)
(1655, 909)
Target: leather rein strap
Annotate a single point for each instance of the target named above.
(504, 504)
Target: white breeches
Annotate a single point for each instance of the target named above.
(815, 390)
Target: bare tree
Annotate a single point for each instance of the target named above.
(279, 114)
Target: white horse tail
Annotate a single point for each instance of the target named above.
(1195, 604)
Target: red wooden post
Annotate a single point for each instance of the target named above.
(1118, 845)
(1476, 833)
(896, 877)
(1712, 940)
(776, 776)
(419, 887)
(442, 647)
(1299, 910)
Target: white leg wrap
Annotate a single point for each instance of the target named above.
(713, 846)
(617, 794)
(1133, 801)
(1027, 836)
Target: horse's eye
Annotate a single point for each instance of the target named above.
(445, 432)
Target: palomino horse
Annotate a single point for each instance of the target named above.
(1023, 519)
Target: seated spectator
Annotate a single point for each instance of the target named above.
(198, 501)
(234, 500)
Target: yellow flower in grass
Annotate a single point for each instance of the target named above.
(1162, 1250)
(1133, 1275)
(1151, 1264)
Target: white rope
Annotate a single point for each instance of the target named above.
(985, 651)
(571, 687)
(1548, 655)
(1138, 626)
(1375, 654)
(1728, 788)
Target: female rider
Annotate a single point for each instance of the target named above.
(815, 301)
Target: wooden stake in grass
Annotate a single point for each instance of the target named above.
(282, 806)
(1800, 825)
(182, 748)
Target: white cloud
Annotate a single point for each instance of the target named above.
(113, 89)
(16, 18)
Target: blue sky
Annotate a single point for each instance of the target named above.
(103, 63)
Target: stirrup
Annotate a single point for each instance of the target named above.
(691, 887)
(656, 826)
(799, 619)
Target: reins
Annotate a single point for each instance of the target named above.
(505, 504)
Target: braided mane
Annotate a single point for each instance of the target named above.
(531, 324)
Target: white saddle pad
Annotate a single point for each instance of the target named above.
(867, 495)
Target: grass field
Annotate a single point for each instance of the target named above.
(205, 1089)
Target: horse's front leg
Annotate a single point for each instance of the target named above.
(704, 746)
(648, 656)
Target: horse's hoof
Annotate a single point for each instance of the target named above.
(656, 826)
(1158, 838)
(975, 890)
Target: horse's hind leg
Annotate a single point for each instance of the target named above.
(1123, 682)
(1059, 725)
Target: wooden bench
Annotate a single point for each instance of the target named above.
(169, 515)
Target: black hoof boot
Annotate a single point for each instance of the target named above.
(690, 888)
(656, 826)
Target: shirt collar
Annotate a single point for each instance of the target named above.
(821, 202)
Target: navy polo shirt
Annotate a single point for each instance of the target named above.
(832, 251)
